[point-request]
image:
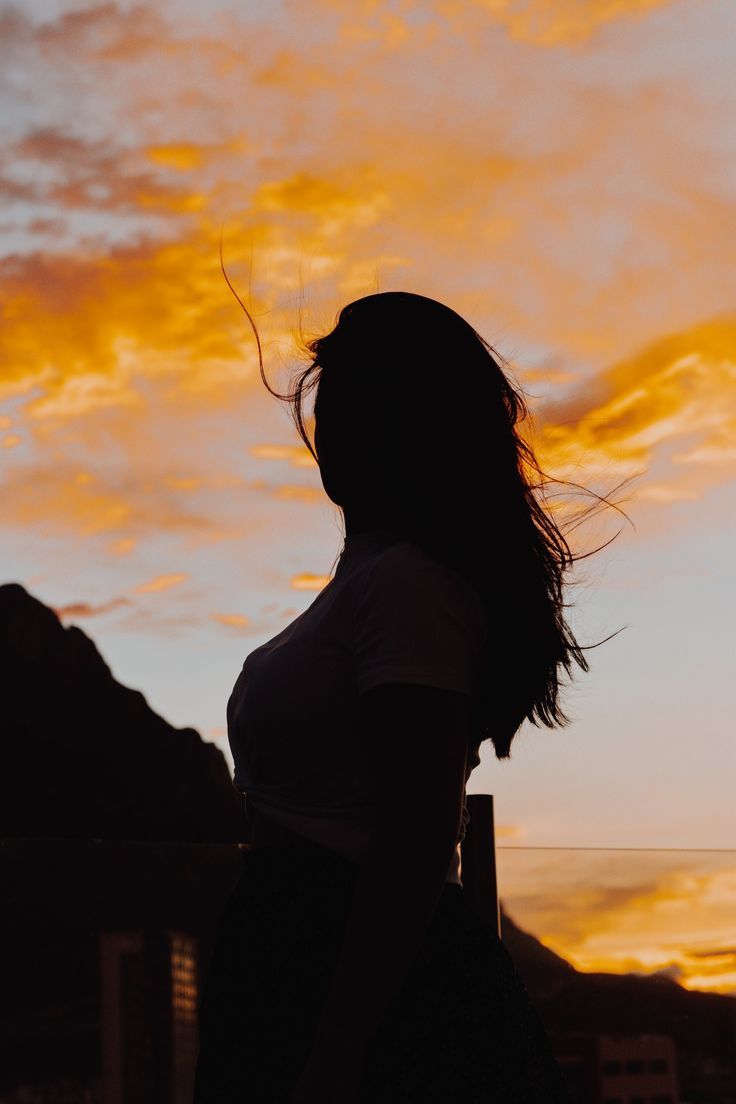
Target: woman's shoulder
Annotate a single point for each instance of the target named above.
(404, 563)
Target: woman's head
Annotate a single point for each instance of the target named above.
(408, 401)
(416, 428)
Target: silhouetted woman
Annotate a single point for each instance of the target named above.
(348, 966)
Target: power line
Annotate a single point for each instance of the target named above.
(674, 850)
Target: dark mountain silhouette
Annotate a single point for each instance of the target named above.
(84, 756)
(569, 1001)
(112, 820)
(543, 970)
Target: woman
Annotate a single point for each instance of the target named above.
(348, 966)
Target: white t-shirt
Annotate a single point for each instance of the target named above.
(391, 613)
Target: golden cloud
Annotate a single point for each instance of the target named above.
(305, 581)
(162, 582)
(45, 496)
(183, 157)
(58, 498)
(83, 330)
(680, 389)
(299, 493)
(557, 22)
(151, 327)
(122, 547)
(89, 174)
(233, 620)
(297, 455)
(91, 335)
(87, 609)
(621, 913)
(547, 23)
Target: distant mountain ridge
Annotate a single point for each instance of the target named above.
(82, 755)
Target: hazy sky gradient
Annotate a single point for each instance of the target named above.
(561, 172)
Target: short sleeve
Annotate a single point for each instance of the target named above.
(418, 621)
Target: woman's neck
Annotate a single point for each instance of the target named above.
(363, 521)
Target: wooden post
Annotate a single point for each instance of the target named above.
(478, 858)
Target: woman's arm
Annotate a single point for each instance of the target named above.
(415, 739)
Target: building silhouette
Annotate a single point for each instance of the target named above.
(148, 1016)
(619, 1069)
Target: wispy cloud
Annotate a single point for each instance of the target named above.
(305, 581)
(297, 455)
(679, 391)
(87, 609)
(162, 582)
(74, 172)
(68, 500)
(231, 620)
(553, 22)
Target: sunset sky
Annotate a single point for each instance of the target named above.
(560, 172)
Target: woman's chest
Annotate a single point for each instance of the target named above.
(294, 695)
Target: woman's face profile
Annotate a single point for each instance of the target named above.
(325, 470)
(344, 479)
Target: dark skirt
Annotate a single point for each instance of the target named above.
(460, 1030)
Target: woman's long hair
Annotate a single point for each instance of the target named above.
(418, 421)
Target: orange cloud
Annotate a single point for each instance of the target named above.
(235, 620)
(54, 499)
(625, 912)
(106, 31)
(92, 336)
(513, 226)
(162, 582)
(86, 609)
(334, 206)
(89, 174)
(300, 494)
(681, 388)
(123, 546)
(58, 498)
(188, 157)
(84, 329)
(305, 581)
(297, 455)
(547, 23)
(556, 22)
(183, 158)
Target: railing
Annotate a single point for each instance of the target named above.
(628, 955)
(633, 968)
